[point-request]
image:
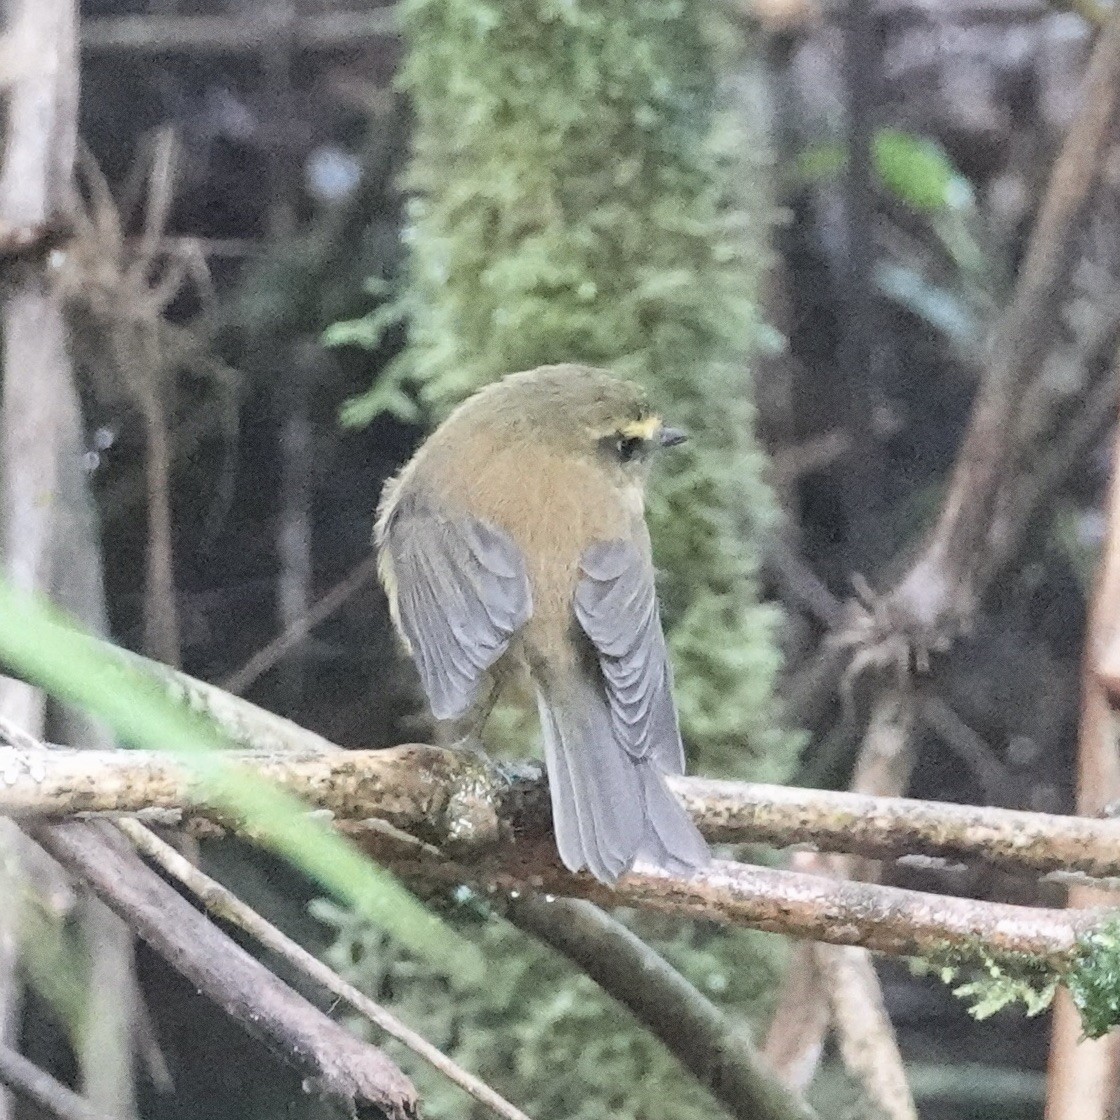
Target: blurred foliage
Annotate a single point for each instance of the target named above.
(545, 1035)
(40, 645)
(53, 955)
(915, 169)
(950, 287)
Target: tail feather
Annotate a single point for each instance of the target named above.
(673, 841)
(588, 806)
(609, 808)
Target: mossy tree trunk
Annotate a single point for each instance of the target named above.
(580, 192)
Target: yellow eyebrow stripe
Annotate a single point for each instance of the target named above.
(641, 429)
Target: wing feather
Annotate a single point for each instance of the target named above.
(616, 606)
(461, 592)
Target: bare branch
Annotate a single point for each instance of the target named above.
(332, 1061)
(433, 793)
(722, 1058)
(885, 919)
(867, 1039)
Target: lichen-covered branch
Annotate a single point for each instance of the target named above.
(462, 801)
(886, 919)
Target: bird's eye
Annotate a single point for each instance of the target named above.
(629, 447)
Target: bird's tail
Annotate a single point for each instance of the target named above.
(609, 809)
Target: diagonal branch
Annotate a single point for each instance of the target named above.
(224, 904)
(333, 1062)
(723, 1060)
(37, 1087)
(940, 590)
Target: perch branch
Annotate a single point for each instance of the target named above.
(436, 794)
(470, 807)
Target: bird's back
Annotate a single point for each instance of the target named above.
(552, 504)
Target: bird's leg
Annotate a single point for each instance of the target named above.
(465, 733)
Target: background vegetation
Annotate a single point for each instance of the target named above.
(294, 249)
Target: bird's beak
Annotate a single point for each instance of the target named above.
(670, 437)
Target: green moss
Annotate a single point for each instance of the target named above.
(1094, 980)
(579, 194)
(998, 980)
(541, 1032)
(993, 981)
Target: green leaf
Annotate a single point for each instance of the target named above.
(43, 647)
(919, 172)
(913, 168)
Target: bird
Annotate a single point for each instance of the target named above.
(515, 541)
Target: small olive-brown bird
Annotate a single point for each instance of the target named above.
(516, 539)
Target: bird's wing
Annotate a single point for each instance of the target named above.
(461, 592)
(616, 605)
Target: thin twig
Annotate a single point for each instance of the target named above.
(333, 1062)
(38, 1088)
(859, 359)
(265, 658)
(195, 35)
(225, 905)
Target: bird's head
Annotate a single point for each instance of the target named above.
(583, 412)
